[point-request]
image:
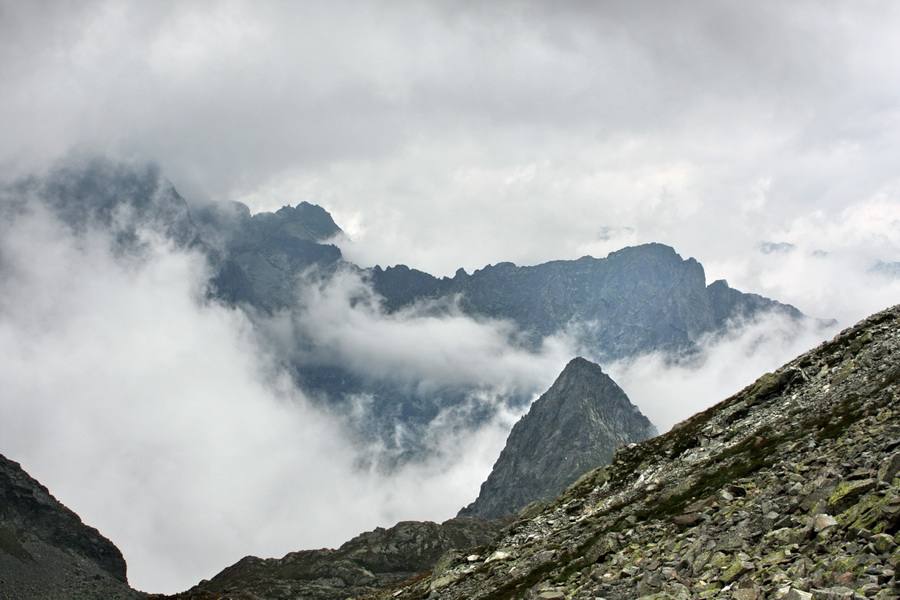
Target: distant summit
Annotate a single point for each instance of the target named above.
(635, 300)
(573, 428)
(264, 259)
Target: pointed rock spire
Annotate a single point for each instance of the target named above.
(572, 428)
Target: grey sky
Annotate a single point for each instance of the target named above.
(460, 134)
(439, 135)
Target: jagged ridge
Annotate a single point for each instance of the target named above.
(635, 300)
(369, 561)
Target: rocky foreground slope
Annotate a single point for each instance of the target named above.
(574, 427)
(789, 489)
(368, 562)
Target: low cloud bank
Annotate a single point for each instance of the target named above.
(827, 260)
(159, 419)
(342, 323)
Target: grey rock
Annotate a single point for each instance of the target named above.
(883, 543)
(890, 468)
(573, 428)
(821, 522)
(835, 593)
(47, 552)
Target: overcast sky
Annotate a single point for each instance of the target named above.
(458, 134)
(444, 135)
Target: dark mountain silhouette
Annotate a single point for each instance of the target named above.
(46, 552)
(571, 429)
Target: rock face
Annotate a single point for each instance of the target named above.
(366, 563)
(573, 428)
(788, 489)
(263, 258)
(46, 552)
(636, 300)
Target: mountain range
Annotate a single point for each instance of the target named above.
(269, 265)
(636, 300)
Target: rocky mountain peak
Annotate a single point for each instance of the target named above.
(99, 194)
(305, 221)
(572, 428)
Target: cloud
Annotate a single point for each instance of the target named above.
(829, 270)
(431, 346)
(159, 418)
(672, 390)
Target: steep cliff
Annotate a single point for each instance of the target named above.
(573, 428)
(46, 552)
